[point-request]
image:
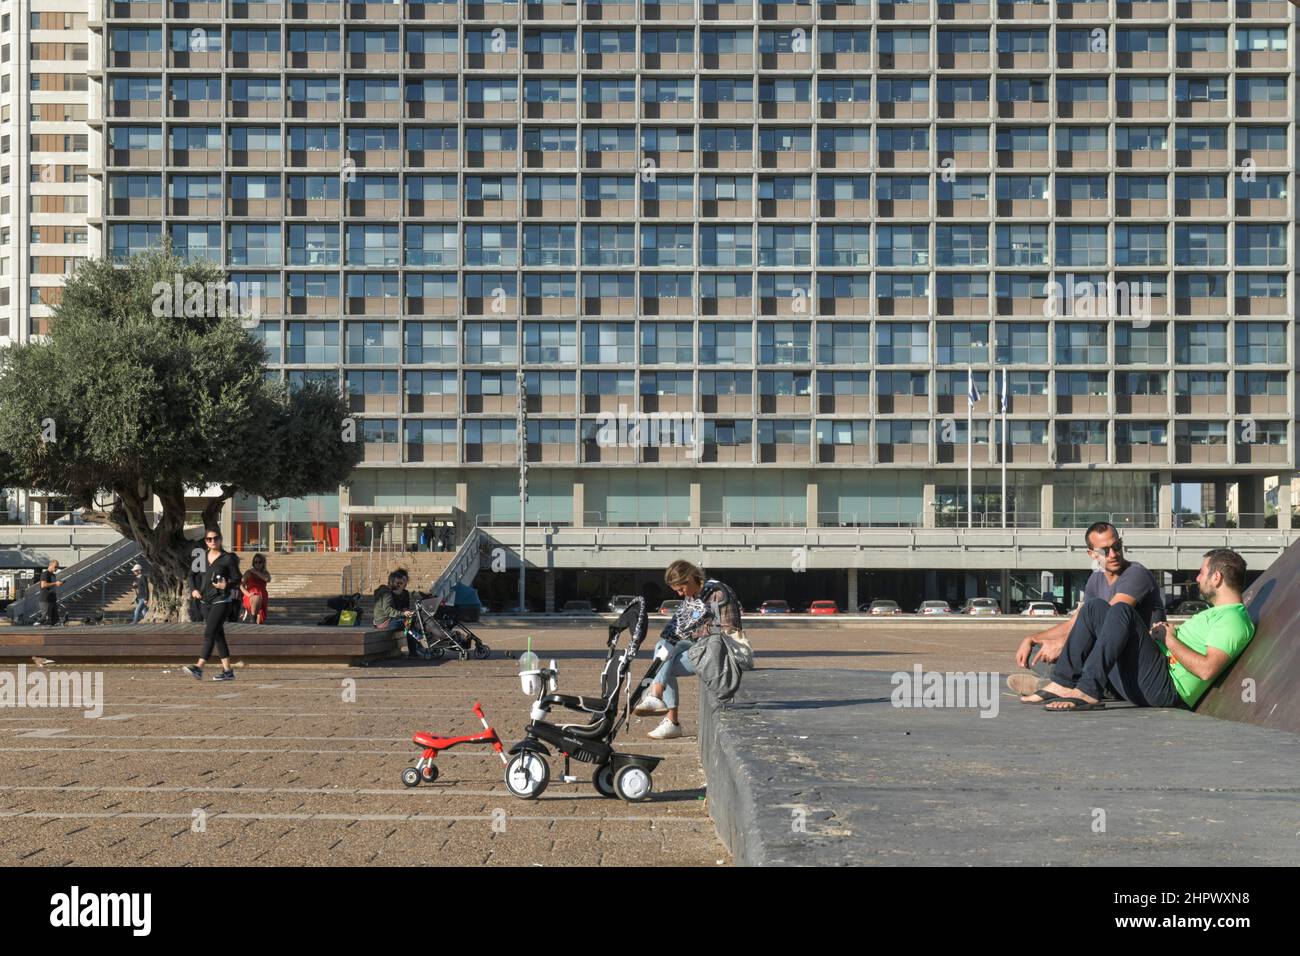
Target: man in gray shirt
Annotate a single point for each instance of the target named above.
(1102, 645)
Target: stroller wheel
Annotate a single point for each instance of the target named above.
(429, 772)
(527, 775)
(437, 652)
(632, 783)
(482, 652)
(603, 780)
(411, 777)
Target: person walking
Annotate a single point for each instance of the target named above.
(141, 585)
(216, 592)
(49, 585)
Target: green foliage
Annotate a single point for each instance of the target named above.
(135, 399)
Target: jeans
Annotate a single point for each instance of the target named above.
(1109, 647)
(677, 664)
(141, 605)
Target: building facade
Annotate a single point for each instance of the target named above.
(795, 232)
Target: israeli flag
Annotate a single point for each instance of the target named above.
(1004, 390)
(972, 393)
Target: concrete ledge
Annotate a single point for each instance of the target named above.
(817, 768)
(140, 643)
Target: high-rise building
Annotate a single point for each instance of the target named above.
(798, 232)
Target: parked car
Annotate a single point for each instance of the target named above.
(884, 607)
(929, 608)
(669, 607)
(981, 607)
(774, 607)
(577, 607)
(1189, 608)
(823, 607)
(1039, 609)
(619, 602)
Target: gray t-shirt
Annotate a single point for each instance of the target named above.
(1135, 581)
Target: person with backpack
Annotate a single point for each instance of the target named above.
(705, 637)
(217, 592)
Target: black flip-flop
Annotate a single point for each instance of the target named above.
(1046, 695)
(1075, 705)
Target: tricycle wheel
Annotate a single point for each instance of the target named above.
(603, 780)
(429, 772)
(632, 783)
(527, 775)
(411, 777)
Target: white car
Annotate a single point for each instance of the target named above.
(1039, 609)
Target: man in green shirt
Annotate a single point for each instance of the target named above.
(1179, 671)
(1204, 647)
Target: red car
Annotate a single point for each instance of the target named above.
(823, 607)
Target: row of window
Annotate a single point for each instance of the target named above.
(780, 343)
(725, 432)
(479, 385)
(604, 90)
(480, 40)
(837, 245)
(445, 188)
(858, 138)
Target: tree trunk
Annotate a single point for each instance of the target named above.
(169, 553)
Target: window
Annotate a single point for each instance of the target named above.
(902, 343)
(491, 343)
(1080, 343)
(726, 343)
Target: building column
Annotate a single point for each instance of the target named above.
(1250, 501)
(695, 502)
(548, 580)
(927, 501)
(1047, 501)
(1165, 501)
(810, 518)
(227, 521)
(1285, 499)
(345, 525)
(1220, 504)
(579, 503)
(853, 591)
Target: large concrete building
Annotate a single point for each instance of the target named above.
(790, 229)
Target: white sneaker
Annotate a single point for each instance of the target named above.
(650, 706)
(666, 730)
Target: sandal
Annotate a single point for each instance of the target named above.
(1075, 705)
(1047, 696)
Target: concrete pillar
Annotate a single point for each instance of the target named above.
(227, 522)
(811, 496)
(462, 505)
(927, 502)
(1285, 499)
(1220, 504)
(1250, 501)
(1047, 501)
(548, 579)
(579, 503)
(853, 591)
(695, 502)
(1165, 501)
(345, 525)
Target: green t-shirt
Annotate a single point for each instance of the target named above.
(1227, 627)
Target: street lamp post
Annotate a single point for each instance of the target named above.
(521, 428)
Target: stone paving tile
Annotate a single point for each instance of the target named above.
(299, 765)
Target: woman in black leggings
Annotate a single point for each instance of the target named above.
(217, 589)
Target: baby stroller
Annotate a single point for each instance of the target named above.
(437, 634)
(617, 774)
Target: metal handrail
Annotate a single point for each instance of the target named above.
(80, 577)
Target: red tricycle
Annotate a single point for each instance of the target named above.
(425, 769)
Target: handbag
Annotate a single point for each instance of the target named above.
(347, 618)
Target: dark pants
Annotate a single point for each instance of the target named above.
(51, 612)
(1109, 647)
(214, 632)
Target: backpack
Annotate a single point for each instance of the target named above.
(717, 660)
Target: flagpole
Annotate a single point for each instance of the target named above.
(1004, 448)
(970, 473)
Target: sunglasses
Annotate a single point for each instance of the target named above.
(212, 537)
(1117, 547)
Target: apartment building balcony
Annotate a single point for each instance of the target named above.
(428, 305)
(1142, 158)
(963, 11)
(375, 12)
(196, 158)
(436, 158)
(1082, 11)
(614, 11)
(906, 454)
(315, 158)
